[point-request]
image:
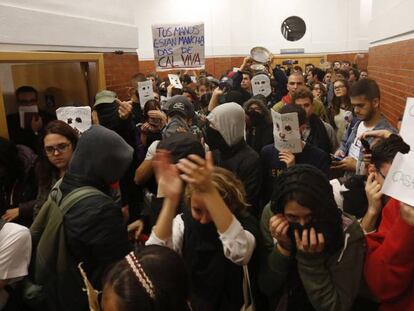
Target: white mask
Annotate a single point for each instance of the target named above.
(79, 118)
(286, 132)
(145, 92)
(261, 85)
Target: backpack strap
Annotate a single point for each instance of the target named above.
(77, 195)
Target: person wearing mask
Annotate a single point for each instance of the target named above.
(274, 162)
(57, 146)
(317, 132)
(93, 227)
(27, 96)
(313, 254)
(215, 235)
(365, 100)
(259, 126)
(225, 137)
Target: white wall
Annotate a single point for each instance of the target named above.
(233, 27)
(391, 21)
(67, 25)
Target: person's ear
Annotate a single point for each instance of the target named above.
(376, 103)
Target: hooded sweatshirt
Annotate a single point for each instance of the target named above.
(239, 158)
(229, 120)
(94, 227)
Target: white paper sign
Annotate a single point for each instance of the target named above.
(78, 118)
(178, 46)
(193, 79)
(261, 85)
(399, 183)
(286, 132)
(175, 81)
(26, 114)
(145, 92)
(407, 125)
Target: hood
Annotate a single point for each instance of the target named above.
(229, 119)
(101, 156)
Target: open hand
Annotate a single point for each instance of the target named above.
(347, 164)
(167, 175)
(197, 172)
(11, 214)
(374, 195)
(124, 109)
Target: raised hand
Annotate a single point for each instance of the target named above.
(287, 157)
(125, 109)
(278, 227)
(166, 173)
(197, 172)
(374, 195)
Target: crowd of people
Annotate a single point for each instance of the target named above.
(185, 202)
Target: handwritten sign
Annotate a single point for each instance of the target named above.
(178, 46)
(27, 114)
(286, 132)
(78, 118)
(399, 183)
(175, 81)
(145, 92)
(407, 125)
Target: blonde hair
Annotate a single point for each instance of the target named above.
(229, 187)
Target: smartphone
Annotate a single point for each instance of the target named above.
(366, 145)
(336, 158)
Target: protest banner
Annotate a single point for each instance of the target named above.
(407, 124)
(178, 46)
(399, 183)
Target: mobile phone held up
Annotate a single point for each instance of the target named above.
(365, 144)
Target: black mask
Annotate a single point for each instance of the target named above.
(297, 226)
(214, 139)
(256, 118)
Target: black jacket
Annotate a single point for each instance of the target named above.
(94, 227)
(244, 162)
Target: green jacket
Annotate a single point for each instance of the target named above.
(331, 282)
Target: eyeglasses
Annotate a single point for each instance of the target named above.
(60, 148)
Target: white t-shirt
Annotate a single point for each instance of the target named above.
(355, 148)
(152, 149)
(15, 251)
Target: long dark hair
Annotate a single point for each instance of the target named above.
(166, 273)
(337, 103)
(310, 188)
(152, 104)
(11, 163)
(46, 171)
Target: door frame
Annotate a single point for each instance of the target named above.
(48, 57)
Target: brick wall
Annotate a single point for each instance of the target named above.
(361, 62)
(118, 72)
(392, 66)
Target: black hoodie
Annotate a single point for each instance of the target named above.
(95, 231)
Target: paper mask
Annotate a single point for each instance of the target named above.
(26, 114)
(261, 85)
(175, 81)
(286, 132)
(78, 118)
(145, 92)
(407, 125)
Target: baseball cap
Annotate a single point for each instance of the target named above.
(181, 105)
(104, 97)
(181, 145)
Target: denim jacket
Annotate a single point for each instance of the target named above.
(351, 133)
